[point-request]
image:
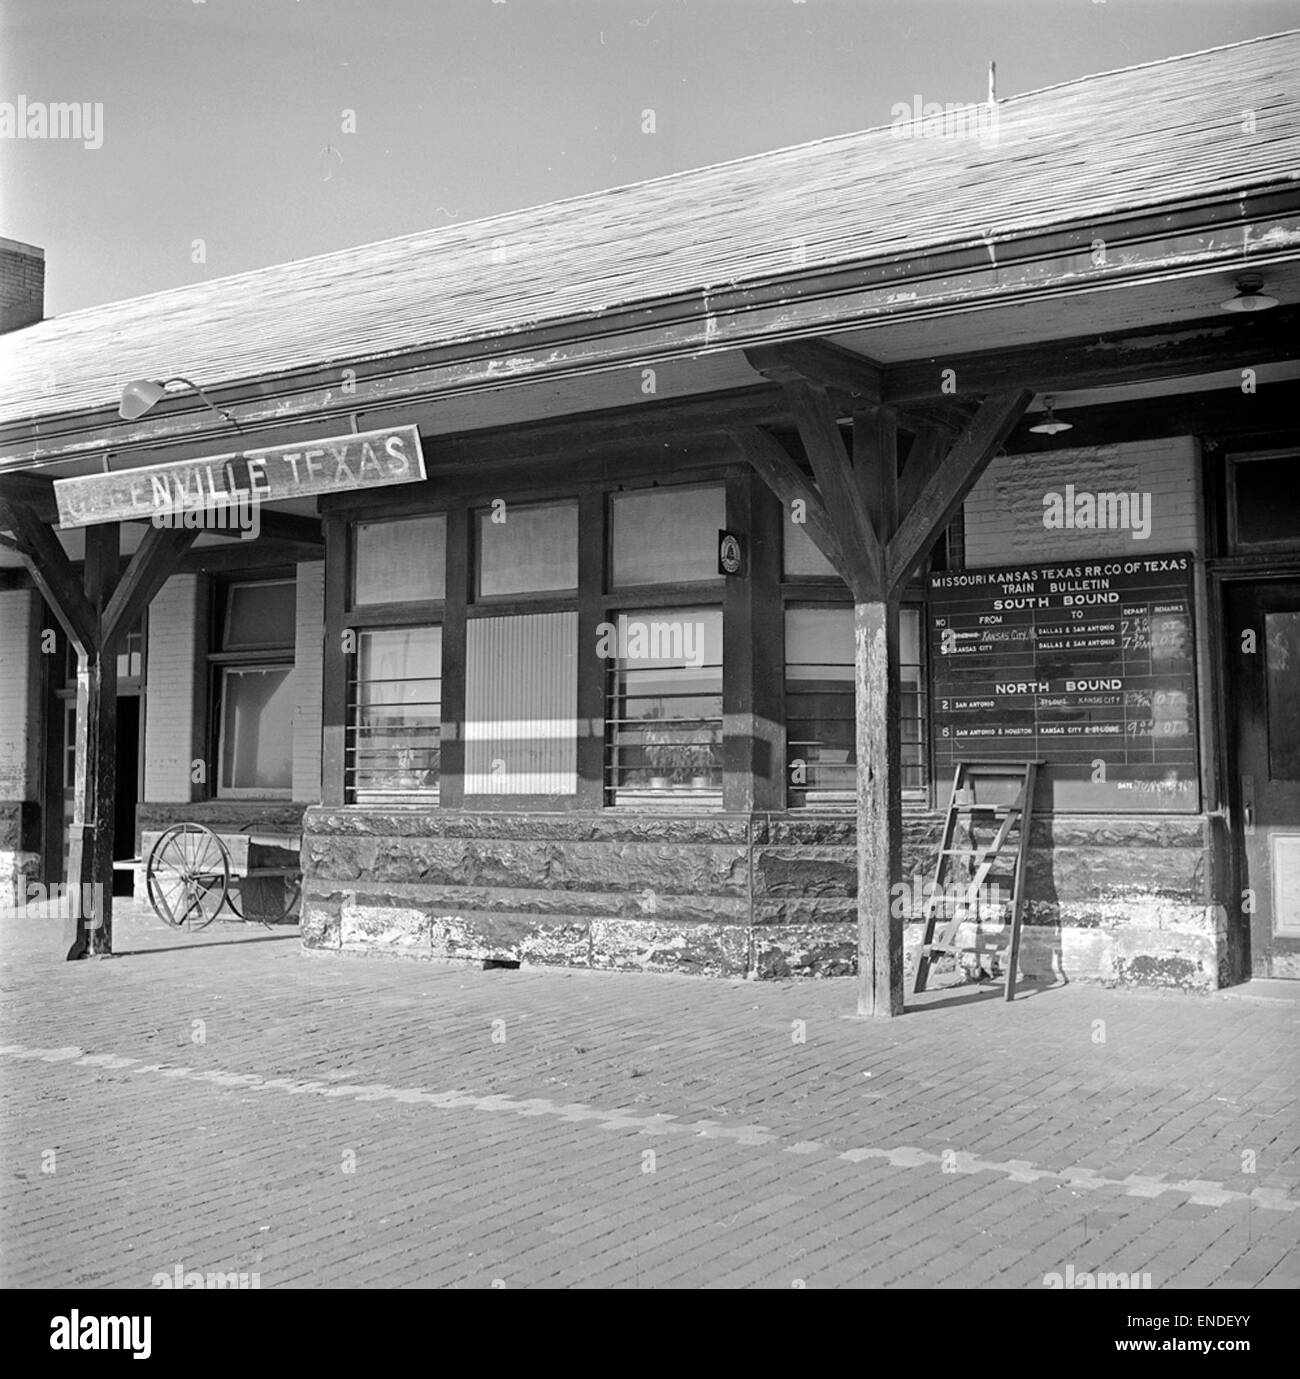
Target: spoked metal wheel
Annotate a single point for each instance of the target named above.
(188, 876)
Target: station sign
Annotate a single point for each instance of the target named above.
(272, 474)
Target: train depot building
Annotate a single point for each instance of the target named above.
(620, 583)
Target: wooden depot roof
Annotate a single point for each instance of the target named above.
(1165, 134)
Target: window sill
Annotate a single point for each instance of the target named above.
(684, 799)
(396, 799)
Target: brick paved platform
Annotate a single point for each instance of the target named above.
(229, 1103)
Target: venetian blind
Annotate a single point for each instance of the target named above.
(521, 699)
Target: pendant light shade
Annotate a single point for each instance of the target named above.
(1050, 425)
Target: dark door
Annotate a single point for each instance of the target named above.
(1267, 768)
(128, 792)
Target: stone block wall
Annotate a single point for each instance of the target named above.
(1119, 901)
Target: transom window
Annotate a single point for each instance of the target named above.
(666, 535)
(400, 562)
(527, 549)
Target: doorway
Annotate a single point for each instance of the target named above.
(60, 755)
(127, 793)
(1264, 640)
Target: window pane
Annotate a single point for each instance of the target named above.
(819, 705)
(911, 700)
(821, 750)
(130, 656)
(257, 730)
(1282, 640)
(400, 562)
(667, 535)
(522, 550)
(521, 705)
(665, 702)
(802, 554)
(1267, 496)
(259, 615)
(395, 733)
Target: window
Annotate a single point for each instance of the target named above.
(400, 562)
(130, 661)
(911, 701)
(803, 557)
(1265, 501)
(130, 656)
(821, 755)
(256, 742)
(259, 616)
(666, 535)
(527, 549)
(394, 746)
(521, 701)
(664, 715)
(253, 667)
(1282, 667)
(819, 712)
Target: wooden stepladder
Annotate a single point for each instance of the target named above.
(994, 797)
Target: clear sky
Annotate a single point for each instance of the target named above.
(225, 120)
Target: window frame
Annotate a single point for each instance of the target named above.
(389, 799)
(394, 607)
(221, 659)
(808, 591)
(234, 792)
(594, 600)
(1235, 462)
(693, 800)
(611, 494)
(528, 599)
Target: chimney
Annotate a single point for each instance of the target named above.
(22, 284)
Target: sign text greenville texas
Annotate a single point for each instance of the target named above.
(392, 456)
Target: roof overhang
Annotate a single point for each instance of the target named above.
(1100, 277)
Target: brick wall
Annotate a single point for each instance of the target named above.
(22, 284)
(177, 619)
(308, 682)
(1004, 513)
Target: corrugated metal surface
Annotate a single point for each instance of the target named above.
(521, 703)
(1144, 137)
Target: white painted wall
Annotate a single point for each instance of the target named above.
(176, 637)
(308, 681)
(17, 712)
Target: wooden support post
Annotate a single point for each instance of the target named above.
(876, 699)
(90, 859)
(875, 539)
(879, 817)
(95, 617)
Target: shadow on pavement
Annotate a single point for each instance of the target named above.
(208, 943)
(946, 998)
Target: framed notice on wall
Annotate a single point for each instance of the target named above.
(1088, 668)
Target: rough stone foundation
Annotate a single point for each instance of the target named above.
(1116, 900)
